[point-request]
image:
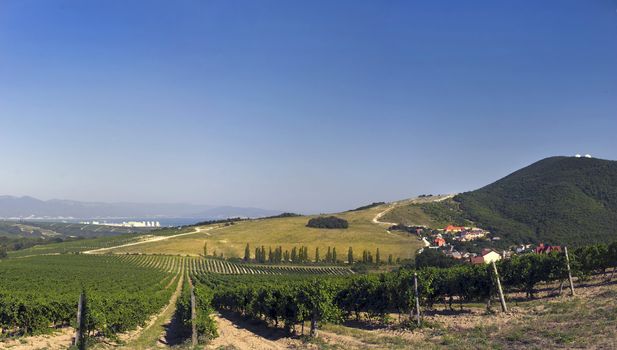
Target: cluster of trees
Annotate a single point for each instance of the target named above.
(229, 221)
(282, 215)
(300, 255)
(8, 244)
(435, 258)
(369, 206)
(330, 222)
(596, 258)
(277, 256)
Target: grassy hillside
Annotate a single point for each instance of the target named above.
(435, 214)
(558, 200)
(289, 232)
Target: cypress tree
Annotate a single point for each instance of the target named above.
(334, 255)
(377, 257)
(317, 255)
(390, 260)
(205, 248)
(350, 256)
(247, 253)
(294, 255)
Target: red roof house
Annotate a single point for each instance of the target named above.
(452, 228)
(542, 249)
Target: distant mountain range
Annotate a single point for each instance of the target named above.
(29, 207)
(557, 200)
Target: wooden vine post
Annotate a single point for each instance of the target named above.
(502, 299)
(193, 317)
(565, 250)
(78, 328)
(415, 286)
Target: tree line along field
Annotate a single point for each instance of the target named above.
(289, 232)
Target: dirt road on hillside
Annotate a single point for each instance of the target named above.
(150, 239)
(417, 200)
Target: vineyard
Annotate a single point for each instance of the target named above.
(217, 266)
(41, 293)
(295, 300)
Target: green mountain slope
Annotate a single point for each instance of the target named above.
(558, 200)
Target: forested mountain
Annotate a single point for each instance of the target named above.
(558, 200)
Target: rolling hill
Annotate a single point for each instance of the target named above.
(288, 232)
(557, 200)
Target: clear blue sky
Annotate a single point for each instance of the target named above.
(297, 105)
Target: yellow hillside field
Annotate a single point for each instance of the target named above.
(362, 234)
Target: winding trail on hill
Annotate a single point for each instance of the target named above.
(416, 200)
(380, 214)
(151, 239)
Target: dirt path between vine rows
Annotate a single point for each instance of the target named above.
(237, 336)
(60, 340)
(148, 336)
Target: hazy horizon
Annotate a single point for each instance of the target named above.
(308, 107)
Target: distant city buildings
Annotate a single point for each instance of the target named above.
(149, 224)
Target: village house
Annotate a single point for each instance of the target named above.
(522, 248)
(541, 249)
(470, 234)
(439, 241)
(454, 254)
(453, 229)
(486, 257)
